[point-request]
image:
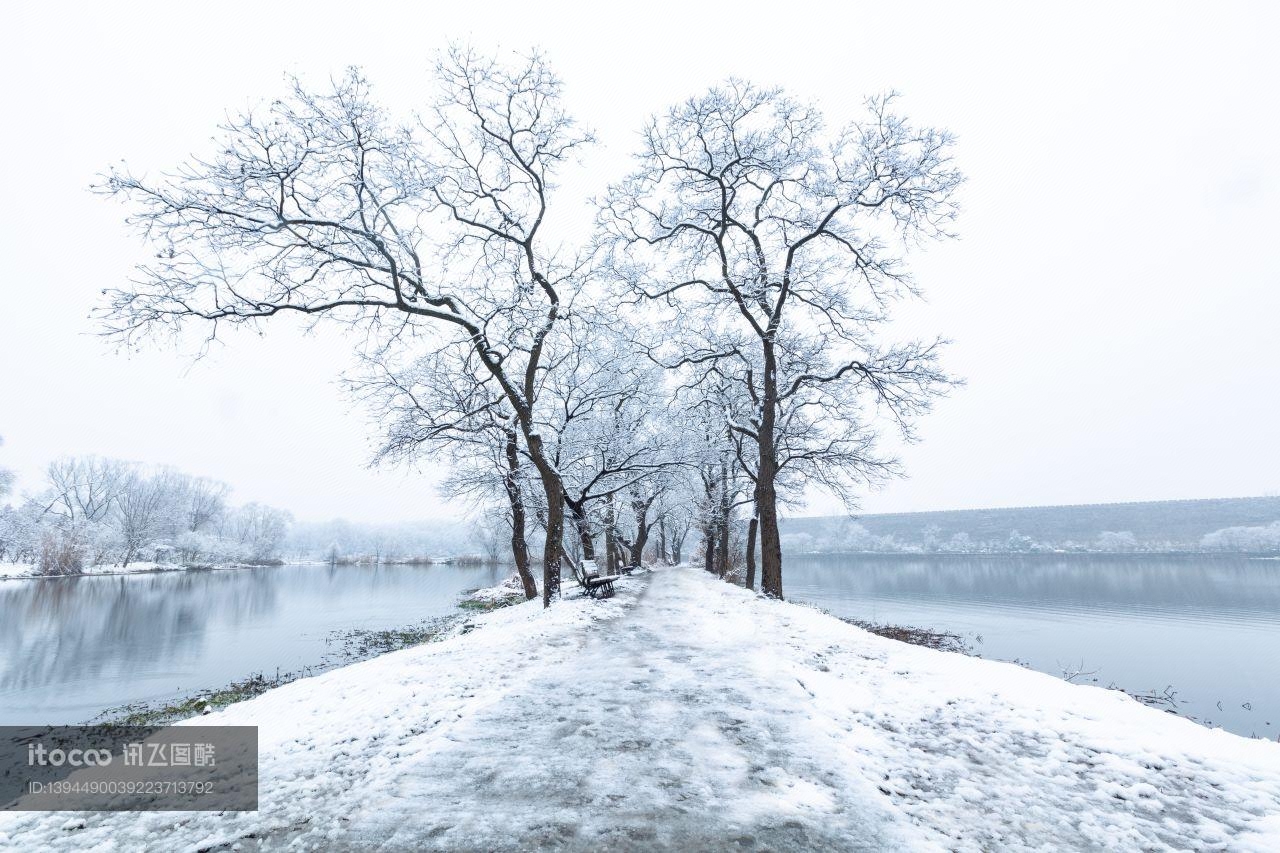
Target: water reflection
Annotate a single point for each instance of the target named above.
(1208, 626)
(70, 647)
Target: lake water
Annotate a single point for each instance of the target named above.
(1209, 628)
(73, 647)
(1206, 627)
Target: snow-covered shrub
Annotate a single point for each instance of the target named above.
(1117, 541)
(1263, 538)
(1019, 544)
(194, 547)
(20, 532)
(62, 552)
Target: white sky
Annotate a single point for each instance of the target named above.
(1114, 301)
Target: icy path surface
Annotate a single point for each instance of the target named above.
(687, 714)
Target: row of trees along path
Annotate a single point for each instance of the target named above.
(717, 340)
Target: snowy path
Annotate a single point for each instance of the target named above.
(643, 731)
(687, 714)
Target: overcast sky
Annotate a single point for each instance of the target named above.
(1114, 302)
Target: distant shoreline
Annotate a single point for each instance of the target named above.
(1246, 555)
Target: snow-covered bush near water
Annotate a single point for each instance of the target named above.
(508, 592)
(1260, 539)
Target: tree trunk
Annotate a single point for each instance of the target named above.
(641, 510)
(752, 526)
(662, 539)
(767, 475)
(583, 526)
(610, 536)
(709, 513)
(770, 541)
(584, 537)
(552, 549)
(723, 556)
(519, 547)
(553, 490)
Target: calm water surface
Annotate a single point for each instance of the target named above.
(73, 647)
(1208, 627)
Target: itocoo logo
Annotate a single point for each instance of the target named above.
(38, 755)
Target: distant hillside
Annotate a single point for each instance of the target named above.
(1164, 524)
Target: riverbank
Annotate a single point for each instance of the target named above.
(687, 713)
(26, 571)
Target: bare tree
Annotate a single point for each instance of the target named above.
(780, 239)
(204, 501)
(259, 530)
(447, 404)
(146, 509)
(321, 205)
(610, 438)
(86, 488)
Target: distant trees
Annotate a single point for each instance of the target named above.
(98, 511)
(146, 508)
(258, 530)
(202, 502)
(1263, 538)
(348, 542)
(778, 238)
(1117, 541)
(610, 437)
(447, 405)
(86, 488)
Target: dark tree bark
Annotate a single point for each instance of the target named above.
(722, 556)
(610, 535)
(640, 508)
(677, 545)
(766, 480)
(578, 509)
(553, 549)
(752, 527)
(519, 547)
(709, 517)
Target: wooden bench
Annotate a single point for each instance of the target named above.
(598, 586)
(592, 582)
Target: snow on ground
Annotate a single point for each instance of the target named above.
(688, 714)
(26, 570)
(14, 570)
